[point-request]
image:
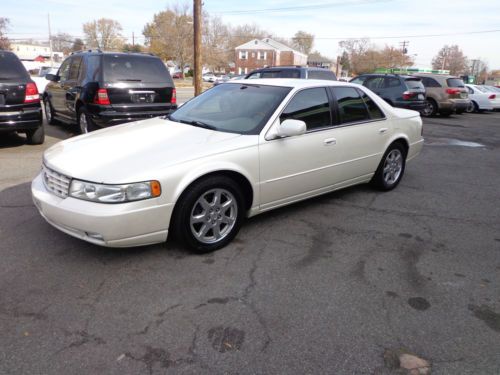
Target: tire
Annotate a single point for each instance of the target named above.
(391, 168)
(85, 123)
(199, 218)
(49, 112)
(471, 107)
(430, 108)
(36, 136)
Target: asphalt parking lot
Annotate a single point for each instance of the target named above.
(326, 286)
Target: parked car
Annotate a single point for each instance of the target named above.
(402, 91)
(482, 99)
(177, 75)
(20, 109)
(292, 72)
(445, 94)
(208, 77)
(97, 89)
(237, 150)
(228, 77)
(40, 79)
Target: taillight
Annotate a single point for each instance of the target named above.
(492, 96)
(408, 95)
(452, 91)
(174, 97)
(102, 97)
(31, 95)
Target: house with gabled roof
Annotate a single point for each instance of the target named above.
(265, 52)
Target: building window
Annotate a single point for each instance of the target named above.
(253, 55)
(246, 70)
(262, 55)
(243, 55)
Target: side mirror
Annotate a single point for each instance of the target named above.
(291, 128)
(52, 77)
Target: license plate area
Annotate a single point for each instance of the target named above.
(463, 95)
(142, 96)
(421, 97)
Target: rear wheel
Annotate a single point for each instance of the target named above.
(430, 108)
(49, 112)
(85, 123)
(36, 136)
(391, 168)
(209, 215)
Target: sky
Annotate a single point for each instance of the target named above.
(385, 22)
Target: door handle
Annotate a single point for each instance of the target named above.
(383, 130)
(330, 142)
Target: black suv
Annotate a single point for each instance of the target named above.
(20, 109)
(292, 72)
(97, 89)
(400, 91)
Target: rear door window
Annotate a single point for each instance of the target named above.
(321, 74)
(374, 83)
(311, 106)
(11, 68)
(134, 68)
(286, 73)
(373, 109)
(351, 106)
(455, 82)
(93, 68)
(390, 82)
(64, 70)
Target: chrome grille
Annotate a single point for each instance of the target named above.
(55, 182)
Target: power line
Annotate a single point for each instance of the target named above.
(304, 7)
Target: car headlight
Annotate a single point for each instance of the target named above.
(91, 191)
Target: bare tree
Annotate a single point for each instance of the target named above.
(356, 50)
(170, 35)
(451, 58)
(303, 42)
(4, 41)
(62, 42)
(104, 34)
(78, 45)
(216, 44)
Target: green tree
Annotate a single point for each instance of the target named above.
(303, 42)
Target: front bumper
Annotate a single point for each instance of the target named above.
(114, 225)
(21, 120)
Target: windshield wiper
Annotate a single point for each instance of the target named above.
(197, 123)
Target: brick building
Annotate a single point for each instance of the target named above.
(266, 52)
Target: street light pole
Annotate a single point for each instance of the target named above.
(197, 46)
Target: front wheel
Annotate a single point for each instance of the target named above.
(49, 112)
(391, 168)
(472, 107)
(430, 108)
(209, 215)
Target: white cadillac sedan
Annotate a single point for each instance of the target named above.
(239, 149)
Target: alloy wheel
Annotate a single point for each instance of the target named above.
(393, 166)
(83, 124)
(48, 111)
(428, 109)
(213, 216)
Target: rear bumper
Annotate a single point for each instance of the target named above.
(109, 116)
(415, 106)
(460, 104)
(21, 120)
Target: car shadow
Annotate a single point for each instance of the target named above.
(8, 140)
(16, 204)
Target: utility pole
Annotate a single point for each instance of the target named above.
(197, 46)
(133, 39)
(50, 42)
(403, 45)
(445, 54)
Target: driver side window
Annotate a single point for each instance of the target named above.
(64, 70)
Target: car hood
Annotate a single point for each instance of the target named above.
(137, 151)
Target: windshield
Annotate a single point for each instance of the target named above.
(11, 68)
(235, 108)
(134, 68)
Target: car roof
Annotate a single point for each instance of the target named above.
(292, 82)
(99, 52)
